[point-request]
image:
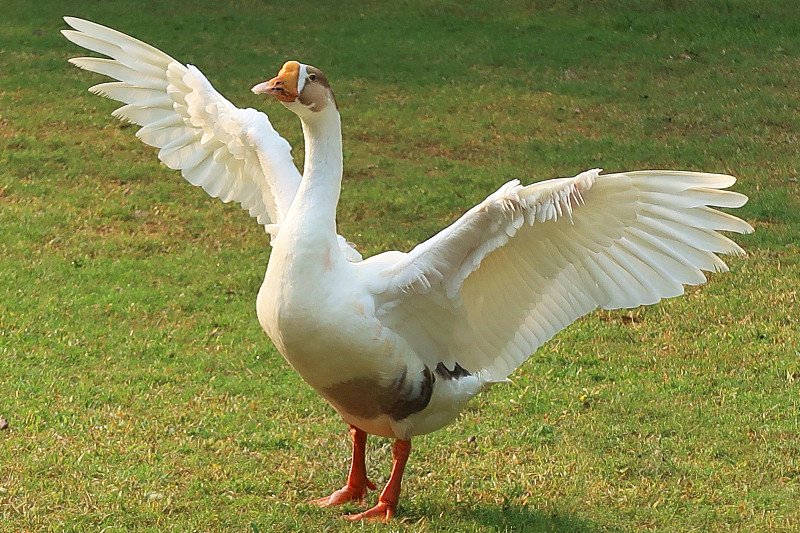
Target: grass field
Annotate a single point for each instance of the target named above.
(143, 396)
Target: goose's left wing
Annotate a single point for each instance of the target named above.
(526, 262)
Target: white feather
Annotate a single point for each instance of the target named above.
(178, 109)
(618, 240)
(232, 153)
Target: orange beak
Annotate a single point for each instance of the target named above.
(283, 86)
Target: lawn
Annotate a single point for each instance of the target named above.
(142, 395)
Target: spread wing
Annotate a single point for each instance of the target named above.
(233, 154)
(525, 263)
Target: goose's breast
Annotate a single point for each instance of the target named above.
(323, 325)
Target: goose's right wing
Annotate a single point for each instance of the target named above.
(232, 153)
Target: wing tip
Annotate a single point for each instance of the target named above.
(81, 25)
(72, 35)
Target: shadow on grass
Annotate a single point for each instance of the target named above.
(508, 519)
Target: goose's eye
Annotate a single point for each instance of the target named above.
(312, 77)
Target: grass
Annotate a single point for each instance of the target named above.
(142, 395)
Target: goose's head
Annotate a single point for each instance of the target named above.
(303, 89)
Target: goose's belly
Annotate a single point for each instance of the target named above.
(340, 351)
(323, 329)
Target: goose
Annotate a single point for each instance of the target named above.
(399, 342)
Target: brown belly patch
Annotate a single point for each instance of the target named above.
(370, 397)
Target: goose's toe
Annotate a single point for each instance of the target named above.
(346, 494)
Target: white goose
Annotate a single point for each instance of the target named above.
(399, 343)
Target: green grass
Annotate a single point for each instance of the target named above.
(143, 396)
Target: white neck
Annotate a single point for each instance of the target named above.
(313, 211)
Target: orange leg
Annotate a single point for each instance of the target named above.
(387, 503)
(357, 482)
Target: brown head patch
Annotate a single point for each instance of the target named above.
(316, 90)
